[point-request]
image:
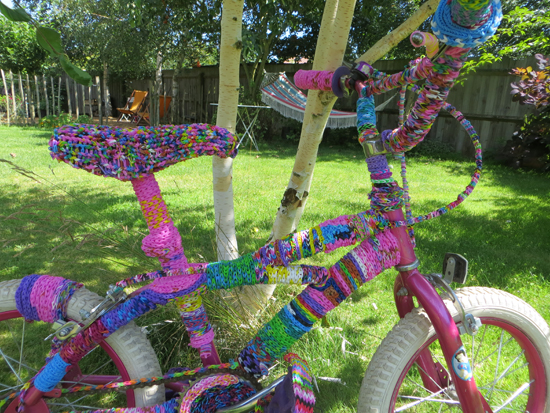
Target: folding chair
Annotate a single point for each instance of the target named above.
(135, 103)
(164, 102)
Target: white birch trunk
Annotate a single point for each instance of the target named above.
(13, 97)
(23, 98)
(7, 94)
(107, 93)
(99, 111)
(69, 99)
(37, 88)
(331, 45)
(31, 100)
(45, 89)
(230, 55)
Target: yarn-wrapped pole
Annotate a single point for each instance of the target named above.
(314, 79)
(470, 13)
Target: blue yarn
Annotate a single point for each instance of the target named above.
(365, 111)
(452, 34)
(52, 374)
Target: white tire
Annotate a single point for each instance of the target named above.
(129, 343)
(514, 337)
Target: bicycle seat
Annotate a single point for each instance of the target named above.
(131, 153)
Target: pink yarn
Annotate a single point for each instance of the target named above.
(202, 385)
(320, 298)
(201, 341)
(173, 284)
(313, 79)
(43, 297)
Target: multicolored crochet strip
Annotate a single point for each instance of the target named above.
(130, 153)
(44, 298)
(363, 263)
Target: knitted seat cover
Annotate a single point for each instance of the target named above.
(131, 153)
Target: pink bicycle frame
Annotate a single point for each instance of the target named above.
(446, 330)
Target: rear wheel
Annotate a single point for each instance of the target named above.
(510, 359)
(126, 355)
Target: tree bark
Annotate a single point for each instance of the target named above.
(106, 93)
(53, 97)
(37, 87)
(329, 53)
(388, 42)
(7, 96)
(59, 95)
(99, 111)
(46, 95)
(222, 169)
(13, 96)
(77, 103)
(90, 103)
(69, 100)
(31, 100)
(23, 98)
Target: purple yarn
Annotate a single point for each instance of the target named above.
(385, 135)
(23, 298)
(377, 164)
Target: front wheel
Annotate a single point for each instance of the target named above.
(509, 356)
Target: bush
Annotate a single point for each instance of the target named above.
(530, 146)
(54, 121)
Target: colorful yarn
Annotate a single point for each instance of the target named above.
(454, 34)
(301, 383)
(43, 297)
(130, 153)
(52, 374)
(314, 79)
(431, 100)
(417, 70)
(213, 393)
(366, 119)
(171, 406)
(271, 263)
(362, 264)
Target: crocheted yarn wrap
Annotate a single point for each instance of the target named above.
(44, 298)
(452, 34)
(130, 153)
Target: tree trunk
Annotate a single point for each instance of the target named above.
(77, 103)
(388, 42)
(69, 100)
(99, 111)
(13, 96)
(37, 87)
(7, 95)
(154, 106)
(53, 96)
(106, 93)
(175, 107)
(31, 100)
(23, 98)
(230, 54)
(59, 95)
(329, 53)
(45, 89)
(90, 103)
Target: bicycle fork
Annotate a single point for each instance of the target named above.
(411, 283)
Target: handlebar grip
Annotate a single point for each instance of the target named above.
(314, 79)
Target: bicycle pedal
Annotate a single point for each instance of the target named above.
(455, 268)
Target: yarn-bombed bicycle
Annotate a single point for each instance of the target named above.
(422, 364)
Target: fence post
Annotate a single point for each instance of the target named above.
(31, 100)
(44, 85)
(37, 88)
(13, 97)
(69, 106)
(99, 112)
(7, 94)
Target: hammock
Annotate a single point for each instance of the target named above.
(283, 96)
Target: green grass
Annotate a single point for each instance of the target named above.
(89, 229)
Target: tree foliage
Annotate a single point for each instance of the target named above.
(19, 50)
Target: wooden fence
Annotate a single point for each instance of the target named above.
(484, 99)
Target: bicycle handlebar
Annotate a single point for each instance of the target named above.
(460, 25)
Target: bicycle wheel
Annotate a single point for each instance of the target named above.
(126, 354)
(510, 359)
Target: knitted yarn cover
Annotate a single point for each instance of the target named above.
(131, 153)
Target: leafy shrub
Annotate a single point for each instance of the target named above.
(54, 121)
(530, 146)
(83, 119)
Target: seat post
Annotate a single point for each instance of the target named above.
(164, 242)
(164, 239)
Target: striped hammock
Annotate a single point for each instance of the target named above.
(283, 96)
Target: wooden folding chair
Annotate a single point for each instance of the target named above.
(144, 116)
(135, 104)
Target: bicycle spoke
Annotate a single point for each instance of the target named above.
(518, 392)
(22, 364)
(21, 348)
(419, 400)
(10, 366)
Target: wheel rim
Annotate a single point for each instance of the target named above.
(507, 367)
(22, 353)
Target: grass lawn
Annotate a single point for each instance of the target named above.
(70, 223)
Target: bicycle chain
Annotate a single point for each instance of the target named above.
(192, 375)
